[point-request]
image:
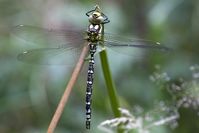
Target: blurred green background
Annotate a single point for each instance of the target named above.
(29, 94)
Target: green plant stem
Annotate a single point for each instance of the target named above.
(109, 80)
(110, 86)
(109, 83)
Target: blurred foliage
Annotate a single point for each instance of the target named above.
(29, 94)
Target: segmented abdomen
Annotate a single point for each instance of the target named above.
(89, 87)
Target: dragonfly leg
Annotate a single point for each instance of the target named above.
(106, 20)
(87, 14)
(87, 58)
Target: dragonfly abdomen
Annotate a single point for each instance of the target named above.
(89, 87)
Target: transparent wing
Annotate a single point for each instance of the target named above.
(49, 37)
(54, 46)
(51, 56)
(129, 46)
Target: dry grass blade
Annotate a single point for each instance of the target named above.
(67, 92)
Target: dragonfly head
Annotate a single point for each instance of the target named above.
(96, 16)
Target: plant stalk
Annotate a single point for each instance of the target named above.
(66, 94)
(109, 82)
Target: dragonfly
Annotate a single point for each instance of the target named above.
(58, 51)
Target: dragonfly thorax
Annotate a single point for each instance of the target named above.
(94, 32)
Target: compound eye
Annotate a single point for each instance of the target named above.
(96, 14)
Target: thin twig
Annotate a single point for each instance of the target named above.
(68, 89)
